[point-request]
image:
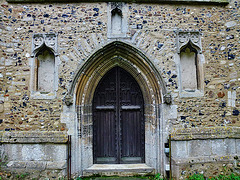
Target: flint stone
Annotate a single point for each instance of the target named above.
(230, 24)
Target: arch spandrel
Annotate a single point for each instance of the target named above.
(117, 54)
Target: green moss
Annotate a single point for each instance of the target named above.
(220, 177)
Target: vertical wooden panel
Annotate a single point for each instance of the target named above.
(104, 120)
(132, 122)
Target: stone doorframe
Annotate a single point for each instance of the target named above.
(78, 112)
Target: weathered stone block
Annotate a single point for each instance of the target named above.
(173, 112)
(14, 151)
(219, 147)
(36, 165)
(231, 146)
(200, 148)
(238, 146)
(34, 137)
(56, 165)
(17, 164)
(33, 152)
(55, 152)
(179, 149)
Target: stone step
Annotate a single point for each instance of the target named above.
(118, 170)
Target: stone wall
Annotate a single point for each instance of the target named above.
(197, 151)
(36, 154)
(82, 30)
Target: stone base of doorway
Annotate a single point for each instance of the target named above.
(119, 170)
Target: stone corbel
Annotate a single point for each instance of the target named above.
(49, 40)
(167, 98)
(185, 37)
(68, 100)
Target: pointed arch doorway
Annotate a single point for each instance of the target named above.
(80, 101)
(118, 119)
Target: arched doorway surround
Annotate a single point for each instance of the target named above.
(87, 77)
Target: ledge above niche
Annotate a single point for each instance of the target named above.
(220, 2)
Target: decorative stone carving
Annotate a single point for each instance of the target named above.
(49, 40)
(114, 5)
(167, 98)
(68, 100)
(193, 37)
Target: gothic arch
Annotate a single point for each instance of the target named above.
(117, 54)
(81, 92)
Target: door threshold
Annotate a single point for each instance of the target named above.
(118, 170)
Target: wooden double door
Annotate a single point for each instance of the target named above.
(118, 119)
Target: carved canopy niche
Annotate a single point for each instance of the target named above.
(49, 40)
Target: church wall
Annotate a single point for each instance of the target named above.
(153, 29)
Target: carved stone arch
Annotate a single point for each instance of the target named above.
(44, 40)
(117, 54)
(81, 93)
(189, 37)
(192, 47)
(40, 48)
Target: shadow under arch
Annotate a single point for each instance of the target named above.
(114, 54)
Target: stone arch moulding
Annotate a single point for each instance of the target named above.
(81, 93)
(116, 53)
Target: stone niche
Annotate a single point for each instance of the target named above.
(45, 70)
(44, 63)
(189, 69)
(189, 60)
(117, 20)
